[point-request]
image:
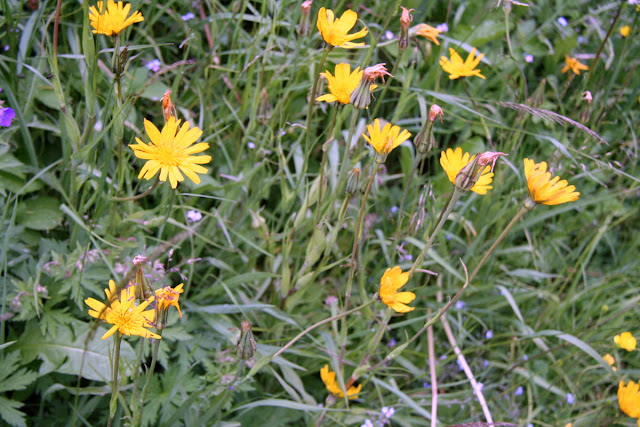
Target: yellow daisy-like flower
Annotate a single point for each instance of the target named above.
(629, 399)
(429, 32)
(329, 380)
(457, 68)
(626, 341)
(453, 161)
(385, 139)
(167, 297)
(342, 84)
(574, 65)
(543, 189)
(624, 31)
(171, 153)
(392, 280)
(113, 19)
(123, 314)
(334, 31)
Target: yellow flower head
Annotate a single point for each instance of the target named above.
(629, 399)
(167, 297)
(626, 341)
(456, 68)
(123, 314)
(624, 31)
(334, 31)
(431, 33)
(392, 280)
(113, 19)
(574, 65)
(453, 161)
(543, 189)
(329, 380)
(385, 139)
(171, 153)
(342, 84)
(609, 359)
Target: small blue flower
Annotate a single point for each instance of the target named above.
(6, 116)
(194, 216)
(528, 58)
(489, 334)
(389, 35)
(519, 391)
(251, 145)
(187, 16)
(387, 412)
(563, 21)
(426, 385)
(443, 27)
(394, 209)
(367, 423)
(392, 343)
(460, 304)
(153, 65)
(525, 357)
(570, 399)
(408, 257)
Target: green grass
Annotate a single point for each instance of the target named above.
(553, 294)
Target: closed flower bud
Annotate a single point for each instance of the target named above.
(405, 22)
(361, 96)
(434, 112)
(246, 347)
(305, 22)
(352, 182)
(469, 175)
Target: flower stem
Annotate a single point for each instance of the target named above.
(446, 210)
(145, 389)
(312, 100)
(356, 238)
(344, 167)
(113, 404)
(405, 193)
(138, 196)
(323, 163)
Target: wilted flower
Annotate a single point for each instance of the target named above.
(586, 95)
(334, 31)
(392, 280)
(453, 163)
(405, 22)
(123, 314)
(168, 109)
(429, 32)
(434, 112)
(626, 341)
(171, 153)
(329, 380)
(384, 139)
(305, 22)
(574, 65)
(246, 346)
(629, 399)
(361, 96)
(457, 68)
(112, 19)
(543, 189)
(167, 297)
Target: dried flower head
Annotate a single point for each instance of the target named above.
(168, 109)
(586, 95)
(361, 96)
(434, 112)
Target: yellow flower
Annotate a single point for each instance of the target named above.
(626, 341)
(392, 280)
(170, 153)
(609, 359)
(167, 297)
(334, 31)
(329, 380)
(456, 68)
(385, 139)
(625, 30)
(113, 19)
(453, 161)
(543, 189)
(342, 84)
(629, 399)
(429, 32)
(574, 65)
(123, 314)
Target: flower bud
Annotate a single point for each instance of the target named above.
(405, 22)
(352, 182)
(586, 95)
(304, 25)
(424, 140)
(434, 112)
(168, 109)
(264, 108)
(361, 96)
(246, 346)
(469, 175)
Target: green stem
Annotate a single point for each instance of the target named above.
(312, 100)
(138, 196)
(394, 70)
(344, 167)
(356, 238)
(498, 240)
(113, 404)
(405, 193)
(444, 214)
(325, 148)
(145, 389)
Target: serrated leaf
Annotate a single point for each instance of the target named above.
(10, 414)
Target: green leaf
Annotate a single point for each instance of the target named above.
(10, 414)
(42, 213)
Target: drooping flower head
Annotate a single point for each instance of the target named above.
(431, 33)
(405, 22)
(626, 341)
(342, 84)
(171, 153)
(123, 314)
(543, 189)
(334, 31)
(629, 399)
(392, 280)
(574, 65)
(454, 161)
(112, 19)
(167, 297)
(361, 96)
(168, 109)
(457, 68)
(329, 380)
(384, 139)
